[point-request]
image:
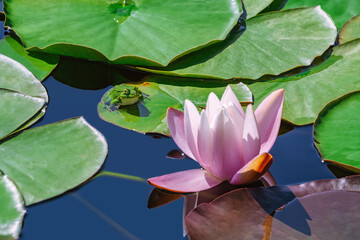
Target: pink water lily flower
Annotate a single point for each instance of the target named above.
(230, 145)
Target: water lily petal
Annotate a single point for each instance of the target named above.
(227, 158)
(191, 124)
(194, 180)
(175, 121)
(251, 138)
(230, 97)
(268, 117)
(205, 143)
(212, 106)
(253, 170)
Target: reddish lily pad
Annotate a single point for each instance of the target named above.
(247, 213)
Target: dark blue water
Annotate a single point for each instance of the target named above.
(112, 208)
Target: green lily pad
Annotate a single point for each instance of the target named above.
(350, 31)
(49, 160)
(271, 44)
(308, 92)
(276, 5)
(12, 209)
(22, 97)
(16, 77)
(151, 32)
(40, 64)
(15, 109)
(253, 7)
(162, 92)
(337, 132)
(339, 10)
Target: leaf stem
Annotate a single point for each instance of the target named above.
(119, 175)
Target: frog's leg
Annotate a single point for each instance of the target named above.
(114, 105)
(146, 96)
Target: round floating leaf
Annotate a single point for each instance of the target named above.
(160, 93)
(16, 109)
(350, 31)
(271, 44)
(308, 92)
(49, 160)
(339, 10)
(249, 213)
(12, 209)
(328, 215)
(253, 7)
(151, 32)
(40, 64)
(16, 77)
(337, 132)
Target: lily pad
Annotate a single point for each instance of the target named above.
(308, 92)
(16, 77)
(350, 31)
(337, 132)
(22, 97)
(258, 213)
(253, 7)
(15, 109)
(53, 158)
(339, 10)
(12, 209)
(40, 64)
(162, 92)
(272, 43)
(151, 32)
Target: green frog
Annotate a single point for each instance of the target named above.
(123, 95)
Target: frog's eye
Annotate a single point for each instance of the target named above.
(126, 91)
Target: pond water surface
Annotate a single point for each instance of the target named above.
(113, 208)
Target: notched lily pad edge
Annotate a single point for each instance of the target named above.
(102, 57)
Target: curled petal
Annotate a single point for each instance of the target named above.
(253, 170)
(191, 125)
(230, 97)
(268, 117)
(251, 138)
(194, 180)
(175, 121)
(212, 106)
(227, 151)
